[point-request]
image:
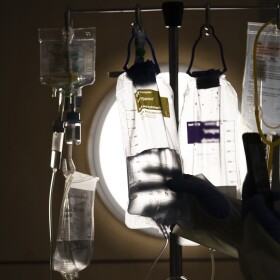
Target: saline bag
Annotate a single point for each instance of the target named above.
(208, 134)
(152, 152)
(209, 123)
(76, 226)
(261, 104)
(261, 89)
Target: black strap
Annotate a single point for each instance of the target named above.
(210, 30)
(125, 67)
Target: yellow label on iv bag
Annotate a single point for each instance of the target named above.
(150, 100)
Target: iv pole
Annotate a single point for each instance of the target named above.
(173, 13)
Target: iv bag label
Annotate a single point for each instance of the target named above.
(268, 75)
(77, 216)
(55, 57)
(70, 61)
(147, 99)
(203, 132)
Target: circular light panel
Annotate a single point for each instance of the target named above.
(106, 156)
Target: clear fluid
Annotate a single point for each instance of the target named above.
(70, 257)
(62, 81)
(149, 195)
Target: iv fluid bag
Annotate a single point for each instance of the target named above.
(76, 226)
(151, 149)
(268, 76)
(209, 134)
(147, 175)
(67, 58)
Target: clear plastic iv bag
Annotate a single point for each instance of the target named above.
(151, 149)
(76, 226)
(210, 133)
(267, 78)
(67, 57)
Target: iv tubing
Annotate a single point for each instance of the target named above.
(50, 219)
(166, 237)
(212, 263)
(271, 144)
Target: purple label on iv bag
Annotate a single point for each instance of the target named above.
(203, 132)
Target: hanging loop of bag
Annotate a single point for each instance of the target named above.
(140, 38)
(207, 29)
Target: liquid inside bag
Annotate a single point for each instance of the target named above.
(148, 194)
(67, 58)
(76, 226)
(210, 135)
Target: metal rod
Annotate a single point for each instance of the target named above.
(174, 66)
(175, 261)
(175, 249)
(173, 15)
(189, 8)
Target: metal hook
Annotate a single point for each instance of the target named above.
(207, 19)
(68, 19)
(209, 31)
(139, 34)
(137, 26)
(138, 15)
(278, 16)
(68, 166)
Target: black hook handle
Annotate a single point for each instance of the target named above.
(140, 38)
(209, 31)
(125, 67)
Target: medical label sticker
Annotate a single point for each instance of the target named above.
(147, 99)
(77, 217)
(203, 132)
(268, 74)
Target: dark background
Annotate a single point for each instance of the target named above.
(28, 111)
